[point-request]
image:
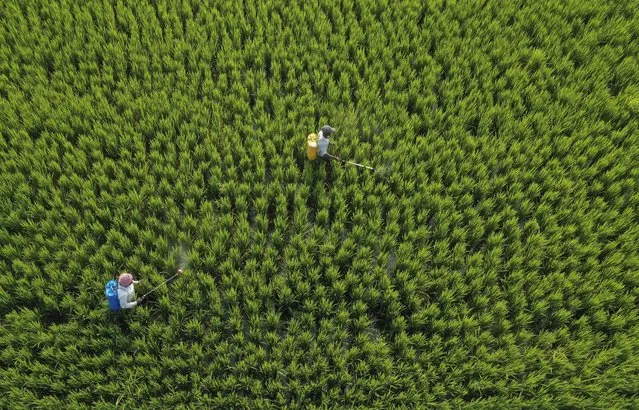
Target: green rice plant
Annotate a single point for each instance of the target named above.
(500, 215)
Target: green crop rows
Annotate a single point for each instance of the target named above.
(489, 261)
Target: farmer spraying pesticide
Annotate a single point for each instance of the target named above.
(126, 291)
(317, 145)
(323, 141)
(121, 294)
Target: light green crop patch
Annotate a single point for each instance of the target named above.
(488, 261)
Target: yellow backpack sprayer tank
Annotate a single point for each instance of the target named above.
(311, 146)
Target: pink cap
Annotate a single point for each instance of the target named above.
(125, 279)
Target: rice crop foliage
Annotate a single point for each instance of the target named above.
(489, 260)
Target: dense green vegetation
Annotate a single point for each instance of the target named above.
(490, 260)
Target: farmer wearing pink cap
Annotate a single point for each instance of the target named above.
(126, 291)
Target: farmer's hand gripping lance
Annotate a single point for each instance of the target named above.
(179, 272)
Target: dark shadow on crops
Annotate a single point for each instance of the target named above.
(420, 19)
(252, 101)
(49, 67)
(472, 126)
(328, 167)
(50, 317)
(267, 67)
(123, 325)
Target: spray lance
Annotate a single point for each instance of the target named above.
(179, 272)
(312, 149)
(349, 162)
